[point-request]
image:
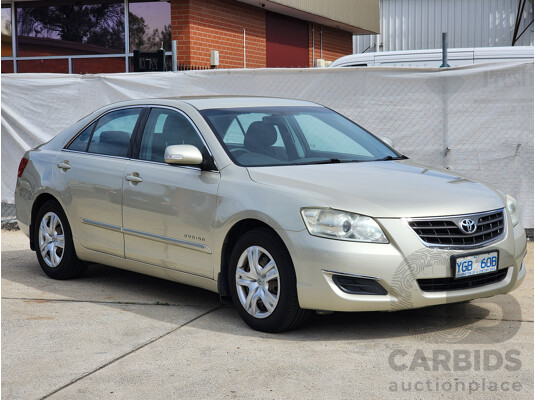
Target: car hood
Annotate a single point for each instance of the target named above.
(383, 189)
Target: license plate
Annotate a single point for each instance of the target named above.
(475, 264)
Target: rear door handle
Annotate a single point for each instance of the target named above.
(64, 165)
(134, 177)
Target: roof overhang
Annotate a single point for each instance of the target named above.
(359, 17)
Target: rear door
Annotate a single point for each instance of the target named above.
(168, 210)
(89, 178)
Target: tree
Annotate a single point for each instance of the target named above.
(76, 23)
(160, 39)
(138, 32)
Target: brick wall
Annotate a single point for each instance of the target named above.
(336, 43)
(7, 66)
(201, 26)
(98, 65)
(54, 66)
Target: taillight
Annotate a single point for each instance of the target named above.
(22, 166)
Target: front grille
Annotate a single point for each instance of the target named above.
(446, 231)
(445, 284)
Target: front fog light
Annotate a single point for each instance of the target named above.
(335, 224)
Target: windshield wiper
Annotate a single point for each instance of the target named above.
(389, 158)
(323, 161)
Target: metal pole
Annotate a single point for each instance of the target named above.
(14, 36)
(126, 37)
(444, 50)
(244, 55)
(173, 55)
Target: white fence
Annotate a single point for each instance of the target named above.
(477, 120)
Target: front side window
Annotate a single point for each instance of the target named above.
(293, 136)
(164, 128)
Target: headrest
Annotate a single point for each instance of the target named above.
(174, 124)
(118, 137)
(260, 135)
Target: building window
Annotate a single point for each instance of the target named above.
(7, 43)
(150, 25)
(58, 28)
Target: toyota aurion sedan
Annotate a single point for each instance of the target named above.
(280, 206)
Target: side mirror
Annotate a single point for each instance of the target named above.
(185, 154)
(388, 141)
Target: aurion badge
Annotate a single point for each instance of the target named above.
(468, 225)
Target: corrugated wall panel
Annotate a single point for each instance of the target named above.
(418, 24)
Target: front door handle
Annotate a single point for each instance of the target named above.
(64, 165)
(134, 177)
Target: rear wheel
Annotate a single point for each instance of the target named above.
(55, 248)
(263, 283)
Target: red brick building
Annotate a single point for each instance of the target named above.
(69, 37)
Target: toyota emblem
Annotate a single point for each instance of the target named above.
(468, 225)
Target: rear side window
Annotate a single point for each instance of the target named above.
(113, 132)
(82, 140)
(110, 135)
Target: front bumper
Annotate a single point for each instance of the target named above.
(396, 266)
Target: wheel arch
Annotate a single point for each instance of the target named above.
(39, 201)
(234, 233)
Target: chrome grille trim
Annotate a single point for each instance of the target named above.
(445, 231)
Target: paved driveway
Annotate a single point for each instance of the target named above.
(119, 335)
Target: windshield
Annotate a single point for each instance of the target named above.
(270, 136)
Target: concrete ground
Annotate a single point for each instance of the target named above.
(120, 335)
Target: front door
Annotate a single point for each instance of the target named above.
(168, 210)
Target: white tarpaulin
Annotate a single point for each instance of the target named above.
(477, 120)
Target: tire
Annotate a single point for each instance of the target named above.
(265, 297)
(54, 245)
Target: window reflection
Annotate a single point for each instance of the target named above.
(7, 44)
(58, 28)
(150, 25)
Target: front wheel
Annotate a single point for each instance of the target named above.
(55, 248)
(263, 284)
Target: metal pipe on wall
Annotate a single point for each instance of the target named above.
(244, 54)
(321, 42)
(313, 59)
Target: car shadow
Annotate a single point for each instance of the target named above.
(138, 293)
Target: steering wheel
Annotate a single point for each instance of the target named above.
(238, 152)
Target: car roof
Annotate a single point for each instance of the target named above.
(203, 103)
(209, 102)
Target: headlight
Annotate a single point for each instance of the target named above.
(512, 206)
(342, 225)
